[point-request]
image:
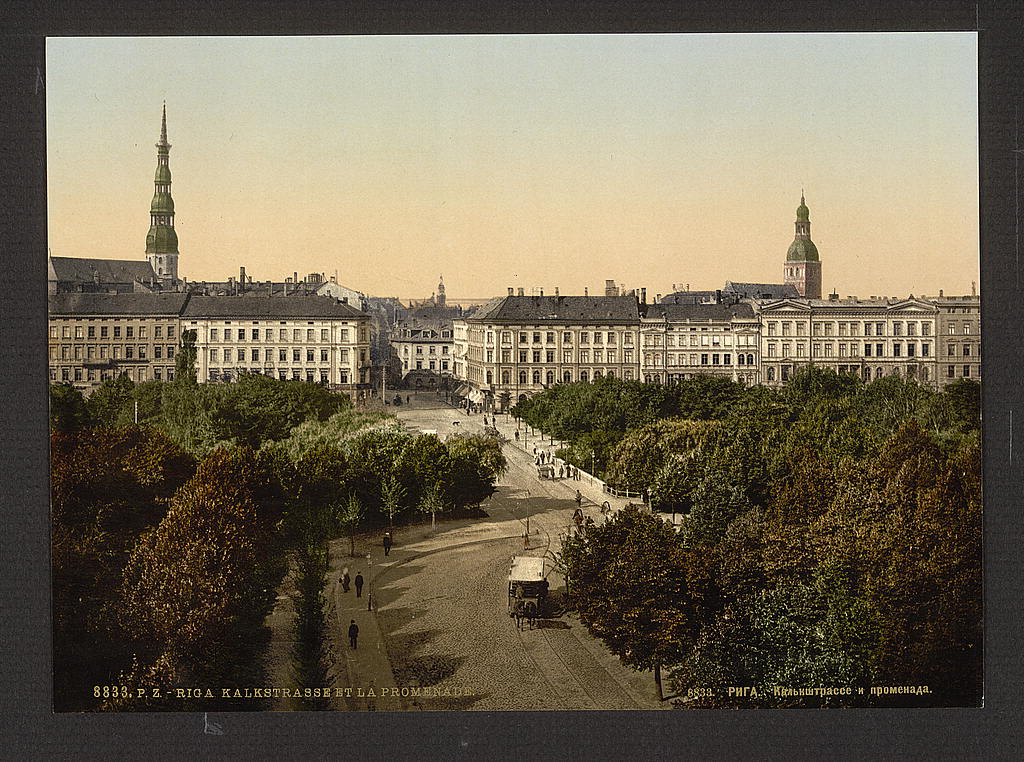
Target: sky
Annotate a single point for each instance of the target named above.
(533, 161)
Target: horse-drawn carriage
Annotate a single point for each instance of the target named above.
(527, 588)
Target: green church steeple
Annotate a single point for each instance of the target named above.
(162, 241)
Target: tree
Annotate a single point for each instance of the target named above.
(392, 493)
(431, 503)
(347, 517)
(109, 399)
(185, 362)
(68, 411)
(628, 578)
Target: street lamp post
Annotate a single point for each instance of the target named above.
(369, 582)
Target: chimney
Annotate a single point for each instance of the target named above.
(940, 293)
(718, 296)
(511, 291)
(833, 297)
(586, 291)
(295, 277)
(974, 289)
(542, 292)
(521, 293)
(643, 296)
(657, 299)
(241, 278)
(556, 290)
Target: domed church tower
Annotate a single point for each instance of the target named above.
(803, 267)
(162, 241)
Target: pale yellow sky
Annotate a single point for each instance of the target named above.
(532, 161)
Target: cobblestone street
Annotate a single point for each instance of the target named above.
(441, 602)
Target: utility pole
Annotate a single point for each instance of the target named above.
(136, 412)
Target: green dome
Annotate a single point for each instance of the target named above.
(162, 204)
(802, 250)
(803, 214)
(162, 240)
(163, 173)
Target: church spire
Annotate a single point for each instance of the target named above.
(162, 241)
(803, 266)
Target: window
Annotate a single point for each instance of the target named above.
(158, 352)
(911, 350)
(925, 349)
(703, 359)
(117, 352)
(584, 337)
(227, 334)
(952, 329)
(610, 354)
(296, 334)
(967, 350)
(879, 329)
(911, 329)
(584, 355)
(142, 331)
(878, 350)
(550, 377)
(967, 328)
(129, 331)
(897, 329)
(867, 350)
(309, 334)
(771, 350)
(343, 355)
(843, 329)
(771, 329)
(951, 350)
(567, 377)
(714, 359)
(309, 354)
(627, 338)
(550, 354)
(53, 332)
(129, 353)
(522, 376)
(627, 354)
(522, 355)
(296, 355)
(536, 377)
(78, 332)
(254, 355)
(91, 332)
(567, 338)
(597, 340)
(967, 371)
(323, 355)
(926, 330)
(170, 356)
(170, 335)
(897, 350)
(771, 374)
(536, 337)
(951, 371)
(550, 337)
(323, 334)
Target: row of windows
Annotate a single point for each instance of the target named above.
(432, 349)
(951, 350)
(241, 354)
(419, 365)
(548, 337)
(67, 375)
(115, 352)
(847, 328)
(267, 334)
(105, 331)
(537, 355)
(549, 376)
(712, 358)
(703, 340)
(849, 350)
(321, 375)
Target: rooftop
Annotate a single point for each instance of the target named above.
(117, 304)
(269, 306)
(572, 309)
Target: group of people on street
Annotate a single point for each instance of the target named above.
(346, 581)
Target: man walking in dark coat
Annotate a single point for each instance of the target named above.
(359, 584)
(387, 543)
(353, 634)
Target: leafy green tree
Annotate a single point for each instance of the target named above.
(347, 517)
(68, 411)
(629, 583)
(108, 401)
(197, 588)
(476, 464)
(431, 502)
(185, 361)
(392, 494)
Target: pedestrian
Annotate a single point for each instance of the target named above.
(579, 502)
(353, 634)
(517, 435)
(561, 471)
(535, 451)
(359, 582)
(407, 399)
(345, 580)
(387, 543)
